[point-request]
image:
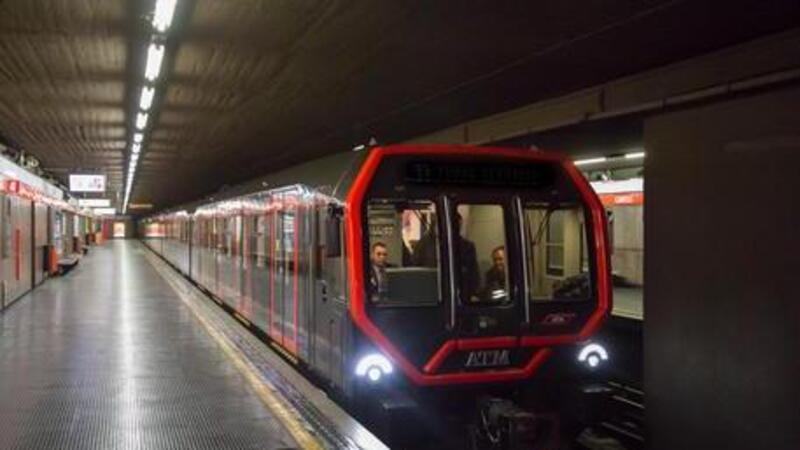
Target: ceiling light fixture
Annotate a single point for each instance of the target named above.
(162, 18)
(136, 148)
(146, 100)
(634, 155)
(141, 121)
(582, 162)
(137, 138)
(155, 55)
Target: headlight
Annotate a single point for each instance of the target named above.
(373, 366)
(592, 355)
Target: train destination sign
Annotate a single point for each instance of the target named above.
(480, 173)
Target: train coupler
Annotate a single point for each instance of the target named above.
(503, 425)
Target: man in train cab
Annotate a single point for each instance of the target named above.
(496, 275)
(378, 280)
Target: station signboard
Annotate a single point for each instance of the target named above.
(87, 183)
(105, 211)
(94, 202)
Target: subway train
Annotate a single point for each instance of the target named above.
(40, 233)
(403, 273)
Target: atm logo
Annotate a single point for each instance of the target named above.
(488, 358)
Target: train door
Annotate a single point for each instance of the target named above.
(282, 277)
(289, 255)
(219, 248)
(275, 275)
(40, 241)
(235, 269)
(67, 227)
(197, 249)
(56, 232)
(228, 288)
(24, 246)
(206, 266)
(16, 246)
(77, 243)
(255, 284)
(6, 250)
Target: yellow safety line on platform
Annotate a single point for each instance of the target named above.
(265, 392)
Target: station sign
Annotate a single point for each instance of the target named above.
(140, 206)
(87, 183)
(94, 202)
(105, 211)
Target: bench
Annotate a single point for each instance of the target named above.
(67, 263)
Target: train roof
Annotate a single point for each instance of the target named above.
(331, 175)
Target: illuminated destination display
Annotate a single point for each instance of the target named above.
(521, 174)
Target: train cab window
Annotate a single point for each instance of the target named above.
(480, 250)
(555, 251)
(403, 253)
(555, 244)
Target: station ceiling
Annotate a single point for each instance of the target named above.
(251, 86)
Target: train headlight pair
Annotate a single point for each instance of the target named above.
(592, 355)
(373, 367)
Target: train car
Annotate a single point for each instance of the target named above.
(406, 271)
(31, 238)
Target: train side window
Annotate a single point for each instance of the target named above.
(403, 262)
(480, 251)
(556, 250)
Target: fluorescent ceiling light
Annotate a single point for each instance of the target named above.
(162, 18)
(137, 138)
(155, 54)
(141, 120)
(581, 162)
(634, 155)
(136, 148)
(146, 100)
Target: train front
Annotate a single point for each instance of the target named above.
(472, 265)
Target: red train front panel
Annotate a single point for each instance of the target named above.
(468, 265)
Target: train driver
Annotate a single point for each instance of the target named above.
(496, 275)
(378, 280)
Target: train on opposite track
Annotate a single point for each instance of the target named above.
(411, 275)
(41, 233)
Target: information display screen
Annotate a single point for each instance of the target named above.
(496, 174)
(87, 183)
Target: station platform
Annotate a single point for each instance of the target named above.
(123, 353)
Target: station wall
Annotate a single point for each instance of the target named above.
(723, 258)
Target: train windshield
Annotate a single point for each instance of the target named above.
(474, 233)
(404, 261)
(557, 256)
